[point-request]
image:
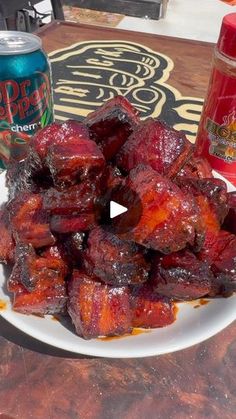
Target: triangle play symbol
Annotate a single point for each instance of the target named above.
(116, 209)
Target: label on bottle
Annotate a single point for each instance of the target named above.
(216, 138)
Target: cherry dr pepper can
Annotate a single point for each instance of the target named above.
(216, 138)
(26, 102)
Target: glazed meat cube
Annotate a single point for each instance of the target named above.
(29, 269)
(44, 138)
(157, 145)
(72, 128)
(14, 281)
(18, 179)
(110, 178)
(56, 134)
(74, 160)
(38, 283)
(31, 174)
(58, 253)
(71, 224)
(73, 247)
(220, 253)
(51, 300)
(98, 309)
(68, 249)
(111, 124)
(21, 278)
(77, 240)
(7, 244)
(77, 198)
(181, 276)
(114, 261)
(149, 309)
(29, 221)
(26, 175)
(196, 167)
(169, 219)
(40, 178)
(211, 197)
(230, 220)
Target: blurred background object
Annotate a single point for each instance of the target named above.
(23, 15)
(178, 18)
(152, 9)
(29, 15)
(231, 2)
(92, 17)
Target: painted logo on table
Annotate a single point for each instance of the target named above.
(88, 73)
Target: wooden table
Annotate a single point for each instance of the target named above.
(38, 381)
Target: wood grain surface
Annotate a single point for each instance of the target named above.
(192, 59)
(38, 381)
(198, 382)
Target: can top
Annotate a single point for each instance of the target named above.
(227, 39)
(14, 42)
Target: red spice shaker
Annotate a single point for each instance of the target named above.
(216, 138)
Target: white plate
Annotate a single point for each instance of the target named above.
(192, 326)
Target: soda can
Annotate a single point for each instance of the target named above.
(26, 102)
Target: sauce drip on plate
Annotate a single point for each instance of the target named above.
(3, 305)
(176, 310)
(201, 302)
(55, 318)
(136, 331)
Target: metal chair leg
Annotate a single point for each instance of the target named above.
(3, 24)
(57, 9)
(164, 8)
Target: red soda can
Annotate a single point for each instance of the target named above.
(216, 138)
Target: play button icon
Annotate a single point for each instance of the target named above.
(119, 209)
(116, 209)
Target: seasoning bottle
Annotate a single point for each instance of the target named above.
(216, 138)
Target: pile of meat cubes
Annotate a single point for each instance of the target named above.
(66, 260)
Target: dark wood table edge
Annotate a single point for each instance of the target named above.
(51, 26)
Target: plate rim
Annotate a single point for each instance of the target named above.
(124, 354)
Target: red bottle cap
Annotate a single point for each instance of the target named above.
(227, 39)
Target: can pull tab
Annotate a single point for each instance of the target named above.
(11, 42)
